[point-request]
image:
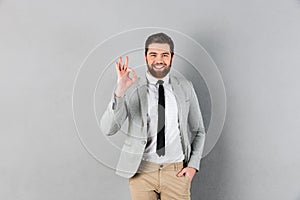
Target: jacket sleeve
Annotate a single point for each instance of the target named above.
(197, 129)
(114, 116)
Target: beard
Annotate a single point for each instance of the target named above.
(159, 73)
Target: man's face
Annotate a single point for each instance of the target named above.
(159, 59)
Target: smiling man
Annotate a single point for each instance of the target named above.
(165, 137)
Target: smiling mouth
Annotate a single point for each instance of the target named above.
(158, 66)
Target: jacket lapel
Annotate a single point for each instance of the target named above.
(179, 95)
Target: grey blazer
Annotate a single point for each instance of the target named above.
(192, 131)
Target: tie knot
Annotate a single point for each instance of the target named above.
(160, 82)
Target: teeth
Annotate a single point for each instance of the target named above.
(159, 66)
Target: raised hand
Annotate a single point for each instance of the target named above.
(124, 79)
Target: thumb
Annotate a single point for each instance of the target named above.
(132, 72)
(182, 172)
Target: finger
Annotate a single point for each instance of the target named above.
(182, 172)
(133, 76)
(117, 67)
(126, 63)
(131, 70)
(121, 63)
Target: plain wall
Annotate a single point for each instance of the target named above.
(255, 44)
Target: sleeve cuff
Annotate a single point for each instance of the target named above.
(117, 102)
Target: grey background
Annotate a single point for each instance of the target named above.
(254, 43)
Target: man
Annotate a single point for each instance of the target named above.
(165, 137)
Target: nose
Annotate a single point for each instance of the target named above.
(159, 60)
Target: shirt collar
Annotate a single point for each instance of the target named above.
(153, 80)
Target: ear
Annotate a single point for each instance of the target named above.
(172, 56)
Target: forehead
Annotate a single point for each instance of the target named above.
(159, 47)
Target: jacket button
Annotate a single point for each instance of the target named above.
(144, 142)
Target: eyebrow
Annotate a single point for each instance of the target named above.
(164, 53)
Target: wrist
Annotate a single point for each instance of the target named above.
(118, 95)
(195, 170)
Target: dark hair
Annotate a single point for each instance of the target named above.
(159, 38)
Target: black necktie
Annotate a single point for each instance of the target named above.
(160, 147)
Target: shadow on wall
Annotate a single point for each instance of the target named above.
(209, 181)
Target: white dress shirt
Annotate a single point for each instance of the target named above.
(173, 147)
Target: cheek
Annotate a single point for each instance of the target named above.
(149, 60)
(167, 61)
(152, 61)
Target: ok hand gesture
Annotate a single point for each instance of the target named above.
(124, 80)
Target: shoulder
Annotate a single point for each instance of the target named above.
(181, 81)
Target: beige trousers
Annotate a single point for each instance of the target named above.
(160, 182)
